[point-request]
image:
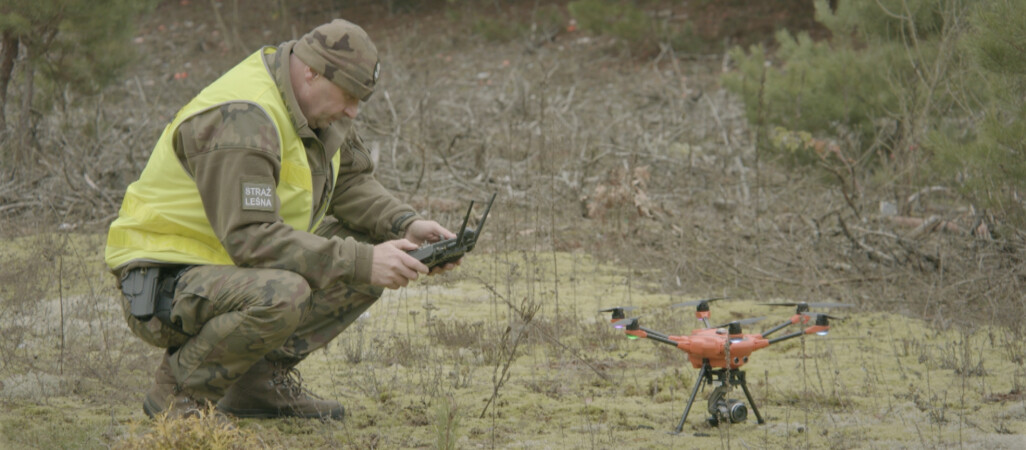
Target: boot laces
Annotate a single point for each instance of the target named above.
(289, 378)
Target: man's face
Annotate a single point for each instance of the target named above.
(323, 102)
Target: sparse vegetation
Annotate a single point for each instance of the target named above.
(907, 94)
(62, 48)
(622, 181)
(447, 423)
(201, 432)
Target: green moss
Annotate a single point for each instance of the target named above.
(563, 389)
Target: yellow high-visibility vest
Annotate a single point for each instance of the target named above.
(162, 217)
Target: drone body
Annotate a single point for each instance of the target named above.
(711, 345)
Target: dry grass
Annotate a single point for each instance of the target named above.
(509, 350)
(202, 431)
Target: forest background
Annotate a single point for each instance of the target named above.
(645, 153)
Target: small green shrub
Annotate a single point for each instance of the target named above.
(888, 20)
(446, 422)
(544, 22)
(900, 88)
(549, 19)
(624, 21)
(621, 20)
(496, 30)
(817, 87)
(986, 157)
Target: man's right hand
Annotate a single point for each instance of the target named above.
(393, 268)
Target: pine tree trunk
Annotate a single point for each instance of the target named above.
(8, 52)
(25, 123)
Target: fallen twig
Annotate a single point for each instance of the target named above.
(862, 245)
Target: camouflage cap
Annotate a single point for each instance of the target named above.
(343, 53)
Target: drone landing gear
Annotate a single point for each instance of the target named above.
(720, 407)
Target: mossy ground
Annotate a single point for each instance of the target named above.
(679, 206)
(877, 380)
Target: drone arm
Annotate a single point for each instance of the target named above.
(786, 337)
(649, 334)
(659, 337)
(776, 328)
(817, 329)
(654, 333)
(809, 330)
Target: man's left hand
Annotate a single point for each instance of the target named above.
(421, 231)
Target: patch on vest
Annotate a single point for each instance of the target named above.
(257, 196)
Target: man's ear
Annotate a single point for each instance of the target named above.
(309, 74)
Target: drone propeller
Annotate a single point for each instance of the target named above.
(701, 308)
(748, 321)
(618, 311)
(816, 315)
(821, 320)
(698, 303)
(804, 306)
(630, 324)
(734, 328)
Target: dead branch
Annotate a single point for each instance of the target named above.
(926, 190)
(923, 226)
(862, 245)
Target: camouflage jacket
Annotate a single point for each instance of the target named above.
(236, 140)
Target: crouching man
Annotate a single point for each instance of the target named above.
(257, 232)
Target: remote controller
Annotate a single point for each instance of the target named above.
(439, 253)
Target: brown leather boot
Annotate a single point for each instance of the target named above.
(270, 390)
(166, 397)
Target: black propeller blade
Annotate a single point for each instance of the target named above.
(816, 315)
(698, 302)
(630, 324)
(748, 321)
(804, 306)
(618, 311)
(821, 319)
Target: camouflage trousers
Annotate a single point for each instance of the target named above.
(234, 316)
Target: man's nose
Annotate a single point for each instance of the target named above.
(351, 110)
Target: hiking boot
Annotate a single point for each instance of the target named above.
(166, 397)
(167, 400)
(271, 390)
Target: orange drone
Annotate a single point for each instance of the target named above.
(718, 352)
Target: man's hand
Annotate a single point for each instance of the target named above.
(421, 231)
(392, 267)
